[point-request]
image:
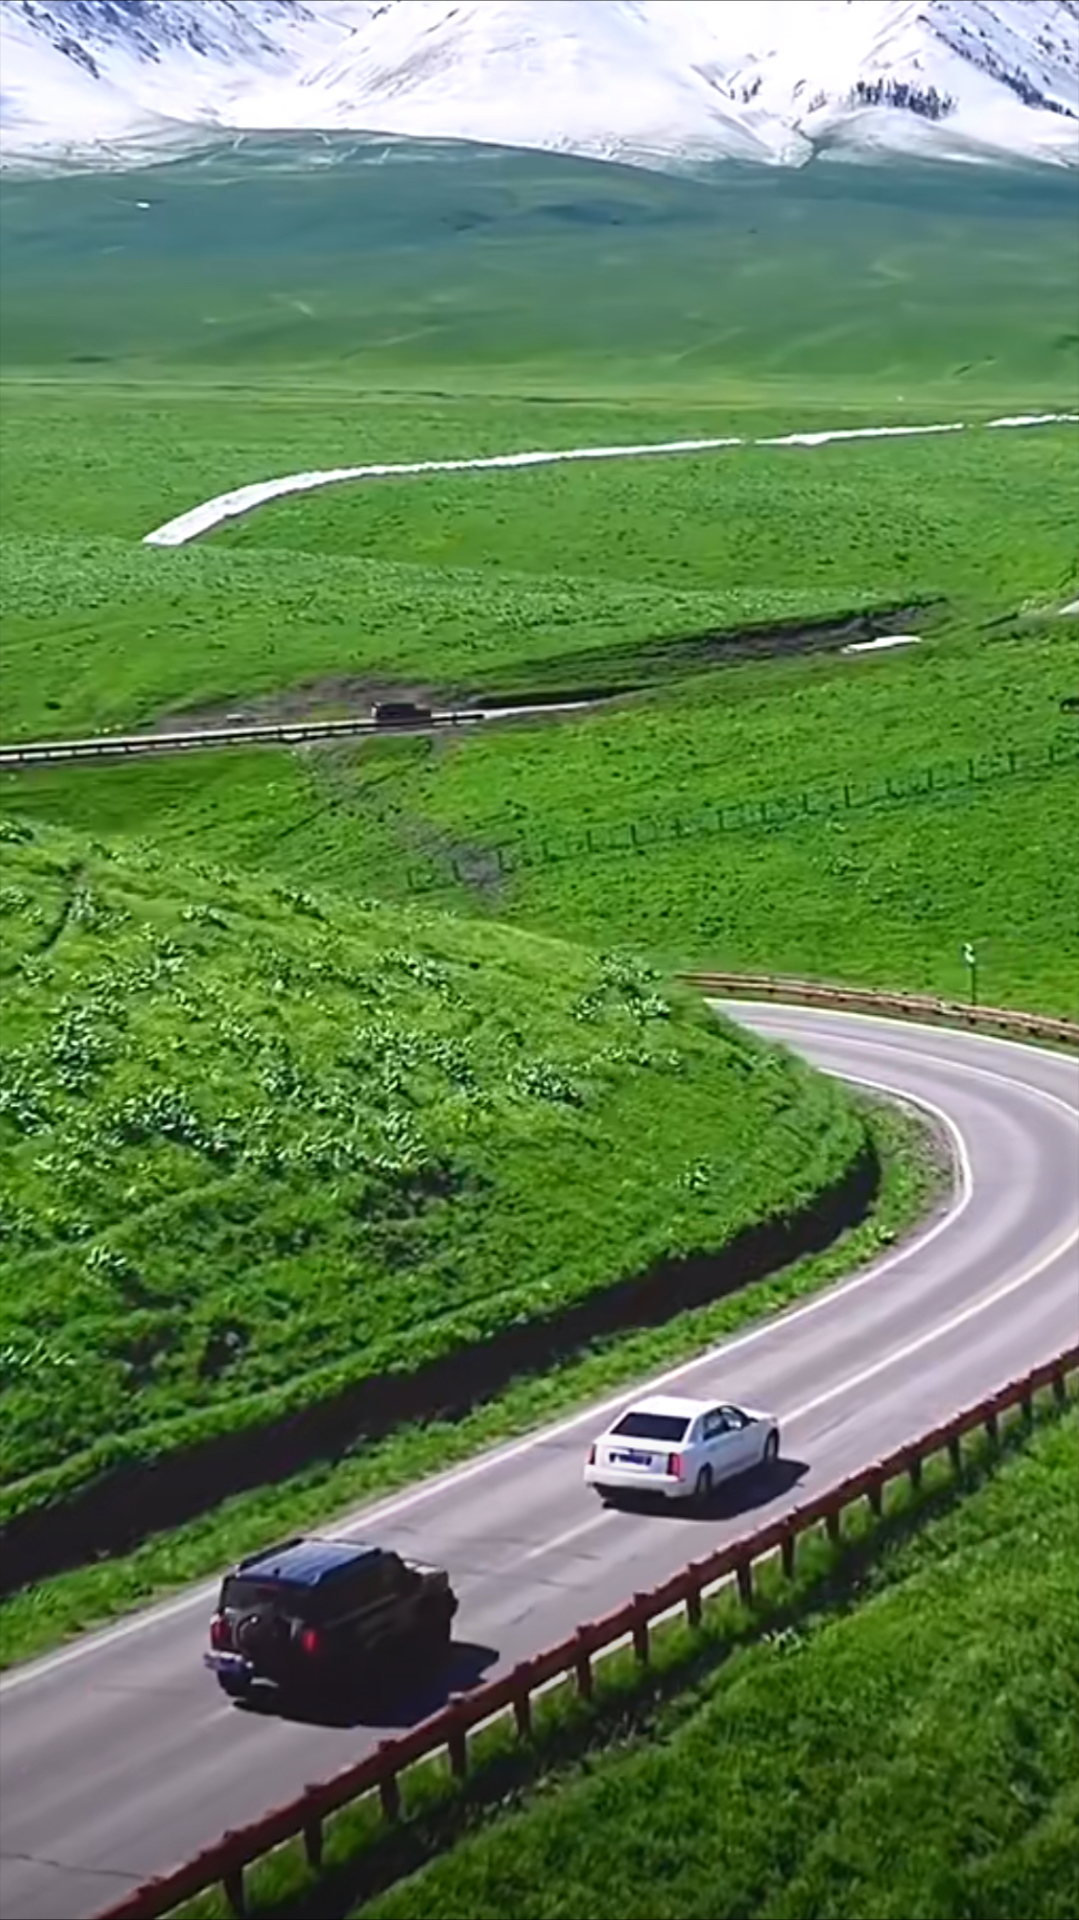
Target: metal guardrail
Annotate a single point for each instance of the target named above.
(897, 1006)
(286, 732)
(447, 1731)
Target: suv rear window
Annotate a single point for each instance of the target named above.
(652, 1426)
(245, 1594)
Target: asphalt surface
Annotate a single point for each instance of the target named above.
(119, 1756)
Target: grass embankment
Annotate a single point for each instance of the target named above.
(892, 1733)
(263, 1147)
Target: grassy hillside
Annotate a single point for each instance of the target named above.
(734, 785)
(257, 1155)
(967, 516)
(913, 1753)
(556, 577)
(260, 1146)
(374, 263)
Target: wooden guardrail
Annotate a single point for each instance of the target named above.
(379, 1772)
(896, 1006)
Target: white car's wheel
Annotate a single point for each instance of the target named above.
(771, 1448)
(702, 1489)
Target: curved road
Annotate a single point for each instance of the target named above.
(118, 1756)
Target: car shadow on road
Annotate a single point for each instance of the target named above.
(747, 1494)
(398, 1703)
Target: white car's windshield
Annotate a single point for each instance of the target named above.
(652, 1426)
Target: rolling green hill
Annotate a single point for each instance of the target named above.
(262, 1147)
(368, 264)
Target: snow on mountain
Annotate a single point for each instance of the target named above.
(650, 82)
(585, 76)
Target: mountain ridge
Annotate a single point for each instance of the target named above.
(656, 83)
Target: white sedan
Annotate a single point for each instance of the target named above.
(680, 1448)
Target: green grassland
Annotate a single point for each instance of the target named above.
(423, 264)
(261, 1145)
(982, 516)
(531, 823)
(915, 1754)
(205, 1189)
(556, 577)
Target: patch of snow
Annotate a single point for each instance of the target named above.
(887, 640)
(243, 500)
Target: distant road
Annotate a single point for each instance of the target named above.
(119, 1757)
(108, 746)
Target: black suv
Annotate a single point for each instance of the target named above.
(311, 1614)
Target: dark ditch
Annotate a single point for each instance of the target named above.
(594, 674)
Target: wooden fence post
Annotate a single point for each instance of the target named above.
(642, 1639)
(389, 1791)
(694, 1602)
(582, 1665)
(522, 1710)
(457, 1741)
(312, 1840)
(233, 1883)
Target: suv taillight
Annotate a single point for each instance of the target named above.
(674, 1465)
(218, 1631)
(592, 1455)
(310, 1640)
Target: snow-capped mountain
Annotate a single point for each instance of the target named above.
(652, 82)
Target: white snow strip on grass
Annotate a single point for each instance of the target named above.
(888, 640)
(1072, 607)
(231, 506)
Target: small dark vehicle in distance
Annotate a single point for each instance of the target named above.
(400, 713)
(317, 1614)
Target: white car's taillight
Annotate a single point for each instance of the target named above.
(674, 1465)
(592, 1454)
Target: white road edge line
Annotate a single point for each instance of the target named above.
(486, 1462)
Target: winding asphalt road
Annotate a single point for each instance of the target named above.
(119, 1757)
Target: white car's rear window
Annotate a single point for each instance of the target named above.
(670, 1427)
